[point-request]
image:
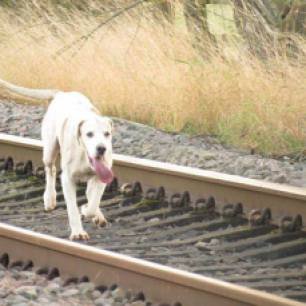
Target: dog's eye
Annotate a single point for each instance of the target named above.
(89, 134)
(107, 134)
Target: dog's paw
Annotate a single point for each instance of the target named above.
(79, 235)
(85, 213)
(99, 220)
(49, 201)
(97, 217)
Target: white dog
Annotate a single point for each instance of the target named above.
(73, 128)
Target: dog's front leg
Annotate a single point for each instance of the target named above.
(69, 190)
(94, 192)
(50, 190)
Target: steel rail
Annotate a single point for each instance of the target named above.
(254, 194)
(158, 282)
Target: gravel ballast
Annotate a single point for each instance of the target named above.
(139, 140)
(27, 288)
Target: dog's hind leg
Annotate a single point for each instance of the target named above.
(94, 194)
(50, 153)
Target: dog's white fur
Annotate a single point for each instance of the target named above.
(69, 120)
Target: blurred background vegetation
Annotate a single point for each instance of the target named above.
(230, 68)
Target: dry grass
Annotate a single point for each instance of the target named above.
(139, 70)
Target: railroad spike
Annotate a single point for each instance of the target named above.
(290, 224)
(40, 172)
(5, 260)
(126, 189)
(205, 205)
(9, 164)
(178, 200)
(2, 162)
(113, 287)
(70, 280)
(136, 189)
(156, 195)
(175, 200)
(260, 217)
(28, 168)
(84, 279)
(231, 210)
(139, 297)
(28, 265)
(113, 186)
(151, 194)
(161, 194)
(53, 273)
(101, 288)
(42, 271)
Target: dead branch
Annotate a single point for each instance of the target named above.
(85, 37)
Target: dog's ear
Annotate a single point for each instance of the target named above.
(95, 110)
(111, 124)
(78, 130)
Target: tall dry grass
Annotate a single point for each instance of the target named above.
(143, 70)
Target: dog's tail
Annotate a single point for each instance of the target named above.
(39, 94)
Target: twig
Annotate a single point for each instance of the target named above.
(134, 36)
(94, 30)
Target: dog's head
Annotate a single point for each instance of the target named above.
(96, 135)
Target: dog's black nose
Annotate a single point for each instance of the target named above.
(101, 150)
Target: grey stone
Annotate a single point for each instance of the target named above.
(202, 245)
(27, 274)
(53, 288)
(3, 293)
(281, 178)
(128, 294)
(30, 292)
(69, 292)
(255, 176)
(214, 241)
(96, 294)
(244, 164)
(207, 155)
(15, 274)
(86, 287)
(138, 303)
(153, 220)
(100, 302)
(210, 164)
(57, 280)
(118, 294)
(14, 299)
(43, 301)
(119, 303)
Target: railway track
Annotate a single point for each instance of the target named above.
(212, 233)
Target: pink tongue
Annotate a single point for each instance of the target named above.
(105, 174)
